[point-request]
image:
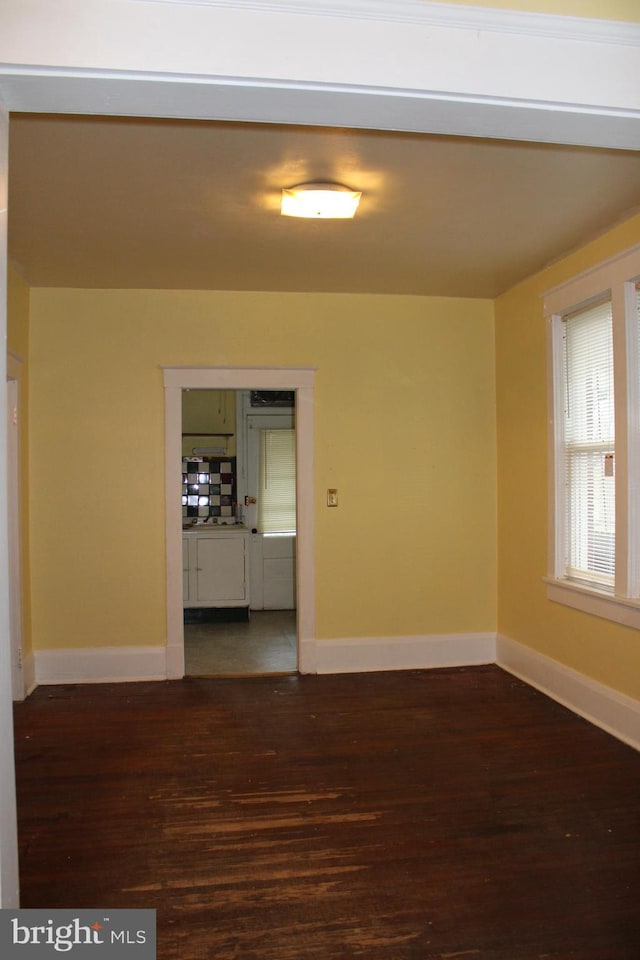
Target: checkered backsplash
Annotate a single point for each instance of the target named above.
(208, 487)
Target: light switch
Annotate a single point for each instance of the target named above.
(332, 498)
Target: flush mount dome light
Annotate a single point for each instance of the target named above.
(320, 201)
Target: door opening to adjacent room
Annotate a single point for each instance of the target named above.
(219, 538)
(239, 532)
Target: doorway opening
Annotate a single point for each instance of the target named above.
(239, 532)
(301, 382)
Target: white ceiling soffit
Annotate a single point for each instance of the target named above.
(422, 12)
(420, 66)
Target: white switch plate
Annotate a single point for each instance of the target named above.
(332, 498)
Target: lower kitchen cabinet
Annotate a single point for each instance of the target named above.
(215, 567)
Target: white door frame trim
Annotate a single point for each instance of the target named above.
(240, 378)
(9, 881)
(14, 376)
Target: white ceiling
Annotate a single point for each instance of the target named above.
(109, 202)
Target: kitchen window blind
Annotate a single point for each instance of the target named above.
(277, 495)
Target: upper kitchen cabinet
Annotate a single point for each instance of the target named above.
(208, 422)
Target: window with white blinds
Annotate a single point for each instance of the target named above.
(594, 446)
(589, 445)
(277, 495)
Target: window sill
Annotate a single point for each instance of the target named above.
(598, 603)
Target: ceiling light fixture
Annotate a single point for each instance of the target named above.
(320, 201)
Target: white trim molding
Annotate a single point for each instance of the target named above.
(601, 705)
(300, 379)
(425, 13)
(612, 711)
(9, 875)
(29, 673)
(614, 280)
(15, 440)
(595, 602)
(590, 282)
(343, 655)
(100, 665)
(367, 654)
(456, 70)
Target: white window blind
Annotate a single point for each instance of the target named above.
(589, 446)
(277, 496)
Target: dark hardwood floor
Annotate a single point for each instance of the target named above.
(438, 815)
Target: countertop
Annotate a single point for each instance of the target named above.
(208, 528)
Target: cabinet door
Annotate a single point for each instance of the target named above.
(220, 567)
(279, 573)
(185, 569)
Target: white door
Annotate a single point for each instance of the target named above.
(272, 557)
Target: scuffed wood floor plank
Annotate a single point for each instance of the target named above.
(428, 815)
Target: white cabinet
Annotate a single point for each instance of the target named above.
(185, 569)
(273, 572)
(215, 567)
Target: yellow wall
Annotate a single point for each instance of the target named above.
(17, 314)
(404, 428)
(601, 649)
(599, 9)
(18, 343)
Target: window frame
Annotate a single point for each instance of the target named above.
(616, 278)
(575, 347)
(262, 439)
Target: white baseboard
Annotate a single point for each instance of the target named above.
(366, 654)
(174, 661)
(26, 683)
(344, 655)
(614, 712)
(29, 674)
(100, 665)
